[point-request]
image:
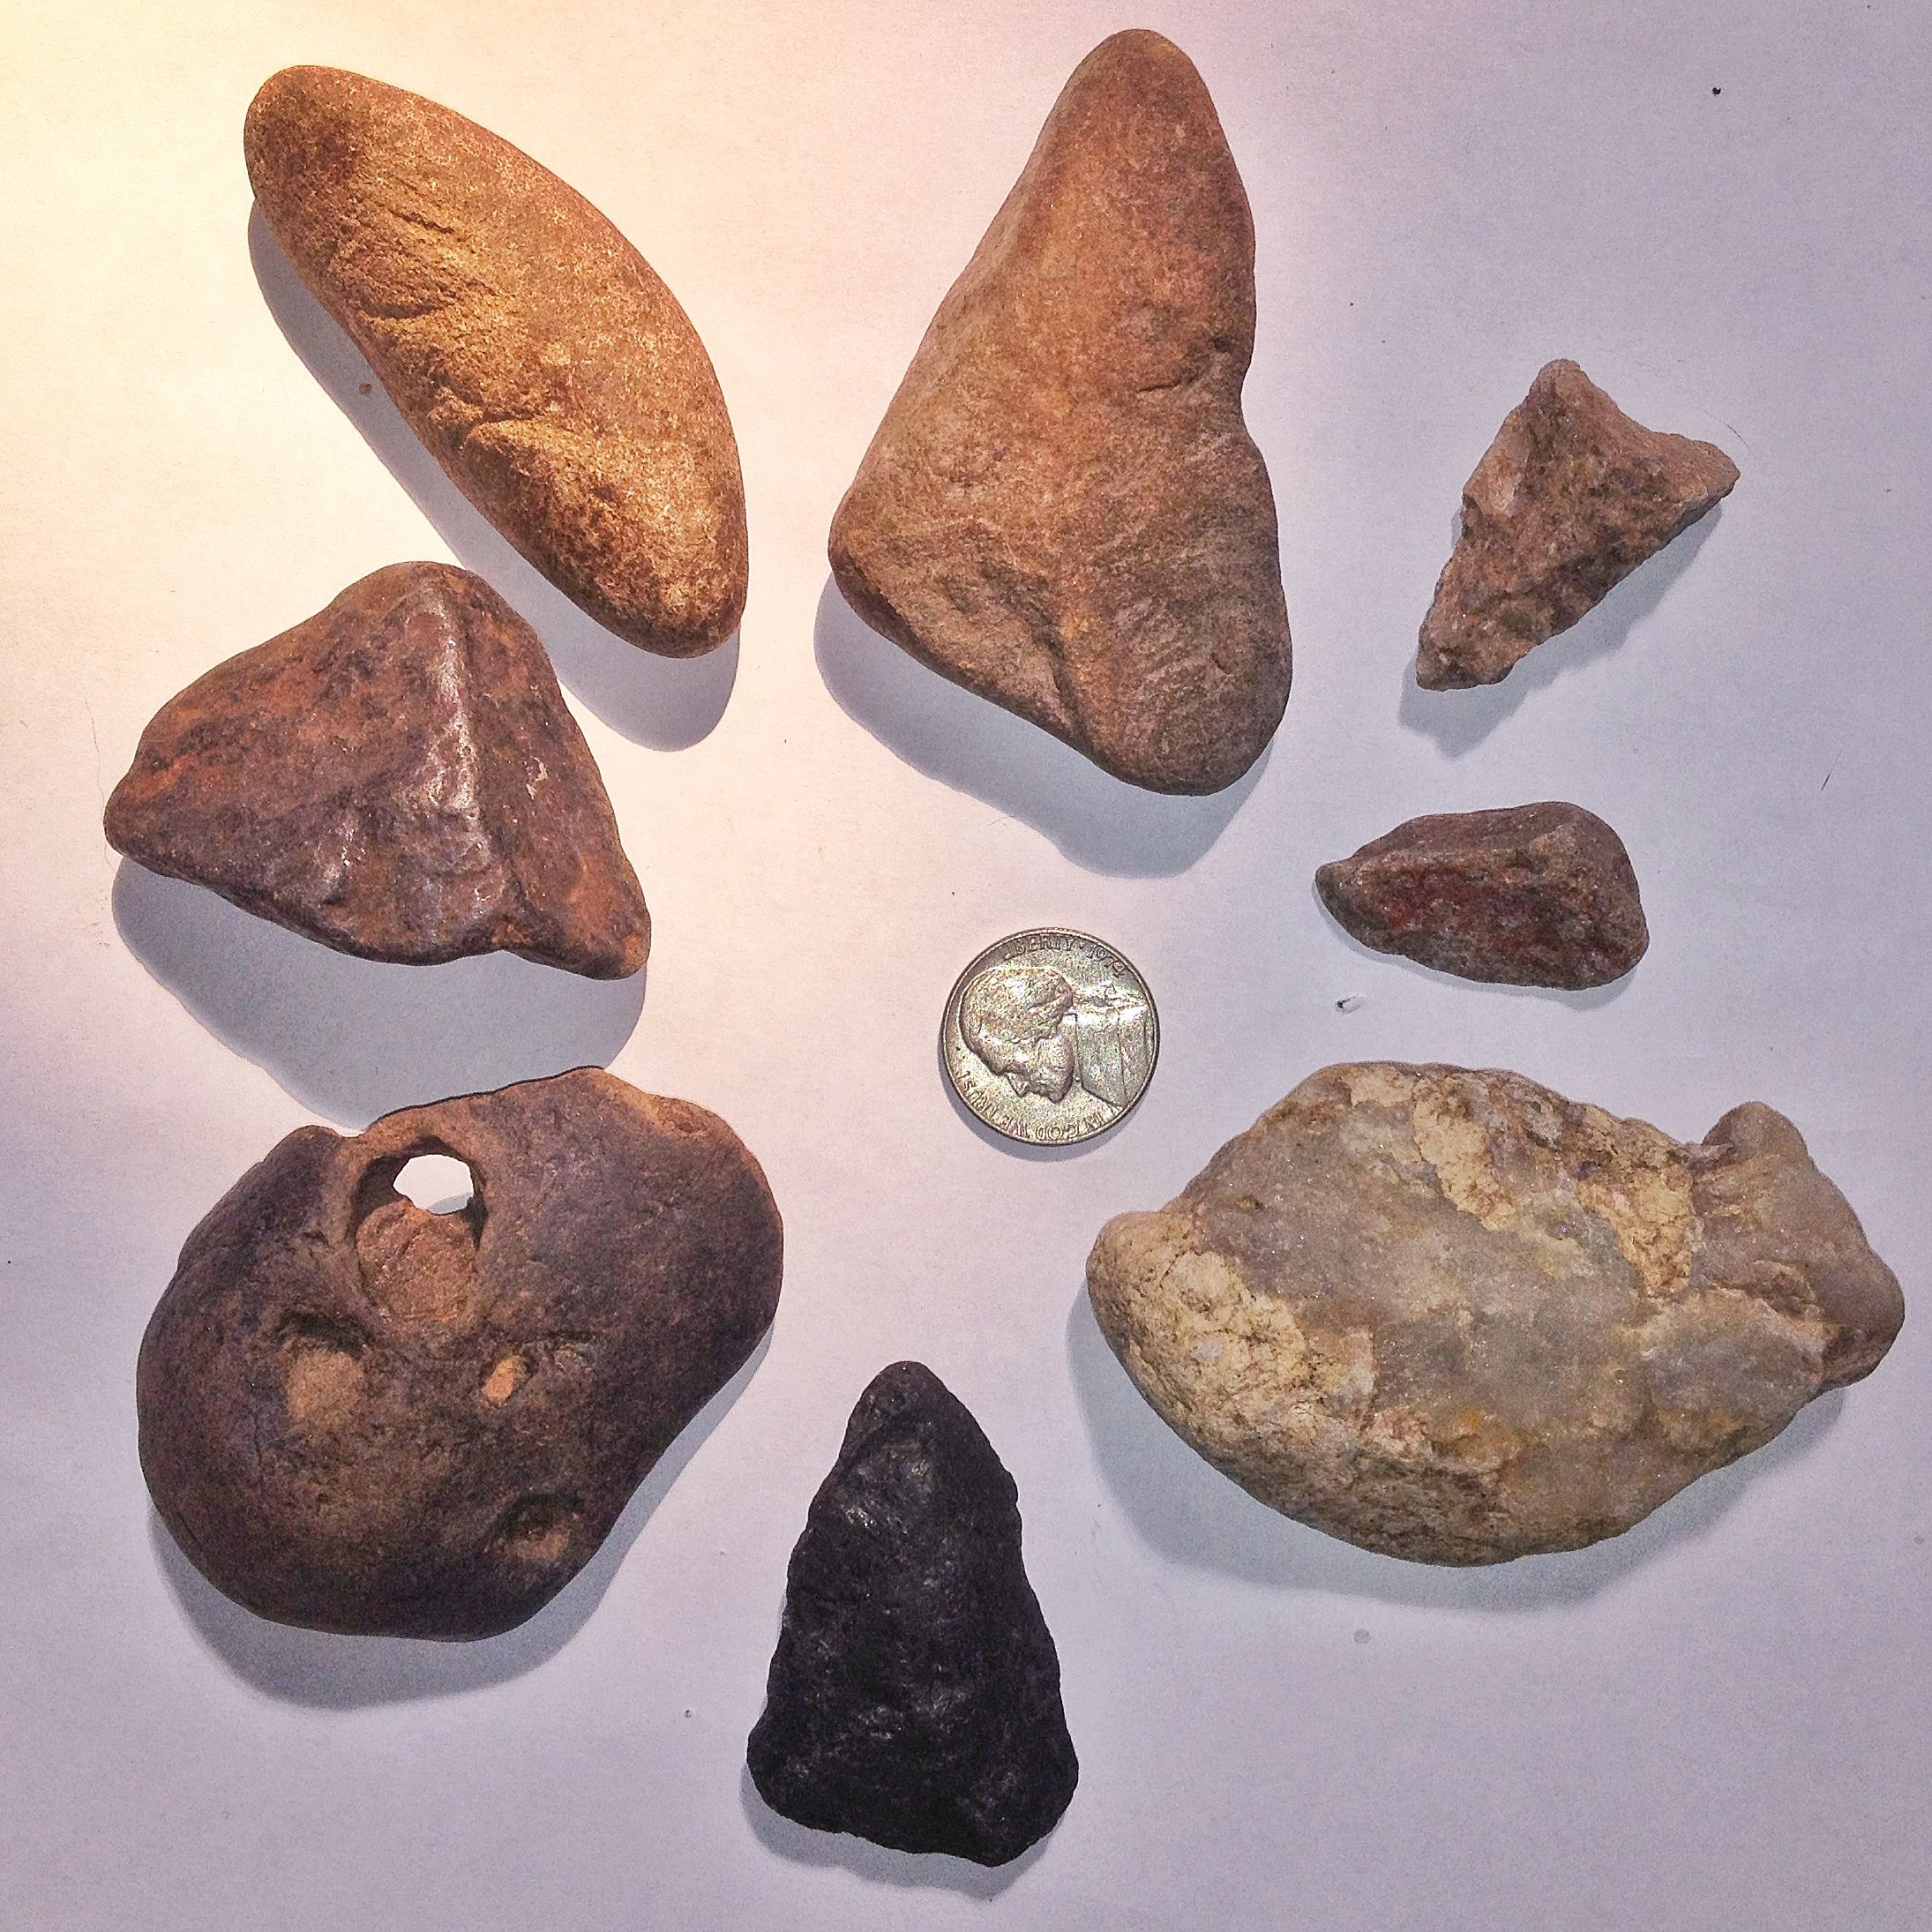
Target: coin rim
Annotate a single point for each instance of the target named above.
(949, 1020)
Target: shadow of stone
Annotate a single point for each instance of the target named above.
(1189, 1511)
(352, 1038)
(666, 703)
(974, 747)
(349, 1673)
(1459, 721)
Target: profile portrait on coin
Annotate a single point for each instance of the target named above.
(1028, 1024)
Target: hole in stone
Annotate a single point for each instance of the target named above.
(303, 1329)
(420, 1261)
(439, 1183)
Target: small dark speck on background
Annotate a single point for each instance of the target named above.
(1717, 90)
(1349, 1004)
(361, 388)
(1361, 1636)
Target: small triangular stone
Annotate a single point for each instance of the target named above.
(913, 1697)
(1570, 497)
(1063, 509)
(399, 777)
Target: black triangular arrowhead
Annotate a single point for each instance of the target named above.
(913, 1697)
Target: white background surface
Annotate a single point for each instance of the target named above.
(1719, 1720)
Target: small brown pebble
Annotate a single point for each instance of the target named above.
(1570, 497)
(534, 350)
(357, 1415)
(398, 776)
(1532, 895)
(1063, 509)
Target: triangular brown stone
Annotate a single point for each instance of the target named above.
(399, 777)
(1062, 509)
(541, 361)
(1570, 497)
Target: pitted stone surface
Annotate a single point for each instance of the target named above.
(1452, 1316)
(358, 1415)
(913, 1697)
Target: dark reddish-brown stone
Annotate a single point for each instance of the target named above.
(1570, 497)
(357, 1415)
(399, 777)
(543, 362)
(913, 1697)
(1062, 510)
(1534, 896)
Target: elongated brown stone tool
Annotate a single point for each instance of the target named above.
(535, 351)
(357, 1415)
(1063, 509)
(913, 1697)
(1532, 895)
(1570, 497)
(1453, 1316)
(399, 777)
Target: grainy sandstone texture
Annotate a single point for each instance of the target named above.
(1063, 509)
(1531, 895)
(357, 1415)
(398, 776)
(913, 1697)
(534, 350)
(1570, 497)
(1453, 1316)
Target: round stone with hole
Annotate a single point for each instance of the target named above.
(360, 1414)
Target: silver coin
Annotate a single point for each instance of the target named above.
(1050, 1036)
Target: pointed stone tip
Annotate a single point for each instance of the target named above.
(901, 1385)
(1137, 46)
(284, 103)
